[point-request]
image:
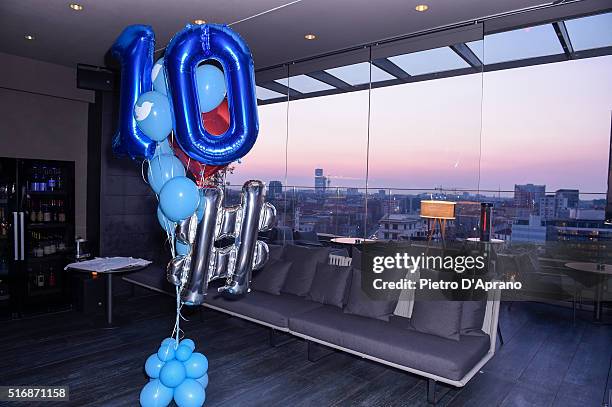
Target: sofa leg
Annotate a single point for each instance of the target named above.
(431, 391)
(279, 338)
(317, 352)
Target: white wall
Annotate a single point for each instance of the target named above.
(43, 115)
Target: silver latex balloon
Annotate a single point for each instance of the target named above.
(235, 262)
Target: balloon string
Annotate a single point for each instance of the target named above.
(142, 170)
(251, 17)
(177, 332)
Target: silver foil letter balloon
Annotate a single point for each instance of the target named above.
(236, 261)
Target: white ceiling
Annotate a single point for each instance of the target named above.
(66, 37)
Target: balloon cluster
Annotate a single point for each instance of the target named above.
(179, 197)
(175, 372)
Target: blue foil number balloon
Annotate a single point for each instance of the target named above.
(134, 50)
(190, 47)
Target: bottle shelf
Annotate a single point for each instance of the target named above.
(48, 225)
(47, 193)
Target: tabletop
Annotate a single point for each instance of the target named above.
(351, 240)
(109, 265)
(492, 241)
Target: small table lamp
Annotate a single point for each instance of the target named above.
(440, 212)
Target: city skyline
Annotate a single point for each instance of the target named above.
(550, 126)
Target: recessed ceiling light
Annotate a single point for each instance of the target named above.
(75, 6)
(421, 7)
(199, 21)
(310, 37)
(28, 37)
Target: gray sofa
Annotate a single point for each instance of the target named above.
(390, 339)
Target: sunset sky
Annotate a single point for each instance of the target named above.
(546, 124)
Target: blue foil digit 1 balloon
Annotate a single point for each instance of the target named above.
(134, 49)
(191, 46)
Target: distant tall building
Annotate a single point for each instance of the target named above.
(528, 196)
(320, 181)
(275, 188)
(548, 207)
(566, 199)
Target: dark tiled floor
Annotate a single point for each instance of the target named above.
(546, 361)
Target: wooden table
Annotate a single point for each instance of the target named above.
(603, 273)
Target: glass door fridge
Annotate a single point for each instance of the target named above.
(40, 204)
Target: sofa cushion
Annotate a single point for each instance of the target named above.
(410, 348)
(330, 284)
(303, 269)
(308, 238)
(271, 278)
(472, 317)
(273, 309)
(440, 318)
(275, 251)
(360, 304)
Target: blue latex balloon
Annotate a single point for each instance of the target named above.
(179, 198)
(169, 339)
(188, 342)
(163, 168)
(166, 352)
(203, 381)
(189, 394)
(134, 50)
(153, 115)
(196, 366)
(182, 249)
(172, 374)
(155, 394)
(168, 227)
(158, 76)
(153, 366)
(163, 147)
(183, 353)
(210, 83)
(190, 47)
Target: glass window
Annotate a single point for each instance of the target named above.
(265, 94)
(358, 74)
(429, 61)
(521, 144)
(590, 32)
(530, 42)
(304, 84)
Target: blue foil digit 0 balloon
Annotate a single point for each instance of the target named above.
(134, 50)
(191, 46)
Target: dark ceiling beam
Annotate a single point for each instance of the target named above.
(329, 79)
(564, 38)
(391, 68)
(467, 55)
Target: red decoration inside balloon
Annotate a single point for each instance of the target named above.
(216, 122)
